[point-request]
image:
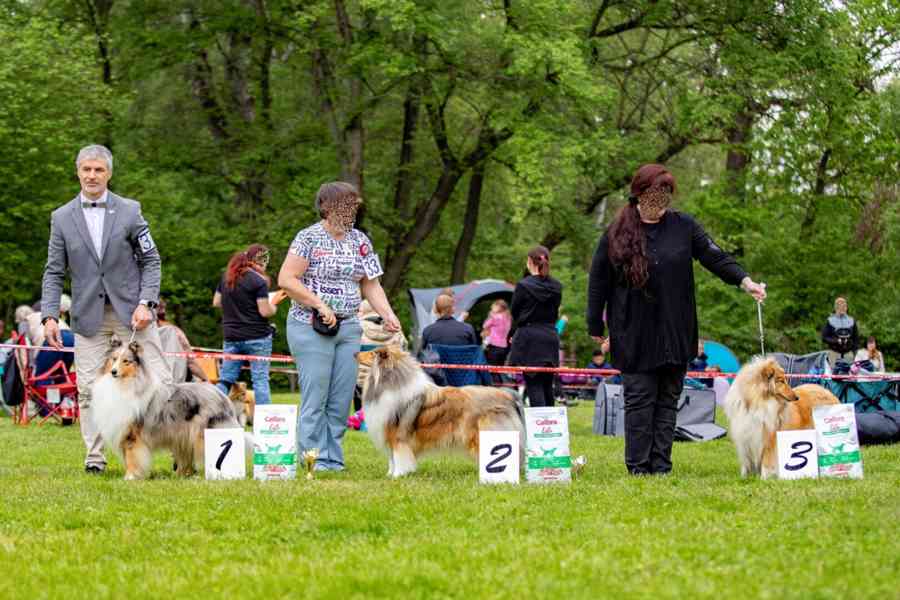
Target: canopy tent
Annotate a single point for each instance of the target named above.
(466, 295)
(721, 356)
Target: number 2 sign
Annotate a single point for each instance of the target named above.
(225, 454)
(797, 454)
(498, 456)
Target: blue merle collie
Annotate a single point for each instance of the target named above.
(136, 413)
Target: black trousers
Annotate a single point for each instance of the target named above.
(651, 403)
(539, 387)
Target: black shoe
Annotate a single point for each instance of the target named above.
(93, 469)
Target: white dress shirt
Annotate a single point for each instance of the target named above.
(94, 218)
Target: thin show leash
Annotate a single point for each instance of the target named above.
(122, 351)
(762, 338)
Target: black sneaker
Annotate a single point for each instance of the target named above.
(93, 469)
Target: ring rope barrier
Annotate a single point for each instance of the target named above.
(508, 369)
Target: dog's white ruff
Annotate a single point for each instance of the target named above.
(117, 402)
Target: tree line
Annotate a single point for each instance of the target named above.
(474, 129)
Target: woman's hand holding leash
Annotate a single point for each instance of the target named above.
(392, 323)
(757, 290)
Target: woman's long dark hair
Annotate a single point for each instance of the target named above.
(540, 256)
(627, 244)
(241, 262)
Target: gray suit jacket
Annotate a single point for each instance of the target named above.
(129, 271)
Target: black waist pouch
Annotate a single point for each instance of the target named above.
(321, 328)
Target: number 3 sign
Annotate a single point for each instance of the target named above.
(797, 454)
(498, 456)
(225, 454)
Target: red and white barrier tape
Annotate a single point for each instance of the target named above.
(509, 369)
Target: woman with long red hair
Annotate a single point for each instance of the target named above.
(243, 295)
(642, 275)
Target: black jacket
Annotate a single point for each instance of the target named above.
(535, 310)
(656, 325)
(447, 331)
(840, 334)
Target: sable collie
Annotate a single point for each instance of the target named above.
(137, 414)
(760, 403)
(407, 415)
(244, 402)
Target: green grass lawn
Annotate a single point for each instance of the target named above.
(702, 532)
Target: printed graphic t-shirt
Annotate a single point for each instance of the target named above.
(241, 320)
(335, 269)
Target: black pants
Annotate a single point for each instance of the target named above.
(539, 387)
(496, 356)
(651, 403)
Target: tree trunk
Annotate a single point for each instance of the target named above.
(98, 18)
(737, 159)
(470, 225)
(426, 218)
(809, 219)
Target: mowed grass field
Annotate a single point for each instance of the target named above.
(700, 533)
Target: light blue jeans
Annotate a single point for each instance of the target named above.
(327, 367)
(259, 369)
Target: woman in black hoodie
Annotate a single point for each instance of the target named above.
(642, 275)
(535, 310)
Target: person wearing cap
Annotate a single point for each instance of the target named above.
(330, 267)
(642, 274)
(102, 242)
(243, 296)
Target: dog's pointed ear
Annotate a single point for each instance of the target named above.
(769, 370)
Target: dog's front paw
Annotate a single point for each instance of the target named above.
(131, 477)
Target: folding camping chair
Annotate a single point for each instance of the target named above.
(55, 393)
(463, 355)
(51, 383)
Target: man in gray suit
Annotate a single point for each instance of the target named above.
(104, 243)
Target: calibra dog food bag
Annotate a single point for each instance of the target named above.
(547, 445)
(275, 441)
(837, 441)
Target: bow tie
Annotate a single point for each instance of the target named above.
(88, 204)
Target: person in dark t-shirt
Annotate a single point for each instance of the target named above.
(243, 295)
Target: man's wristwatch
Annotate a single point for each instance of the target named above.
(149, 304)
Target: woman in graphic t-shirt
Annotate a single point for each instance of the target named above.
(328, 270)
(243, 295)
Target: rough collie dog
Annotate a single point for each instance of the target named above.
(244, 402)
(407, 415)
(760, 403)
(137, 414)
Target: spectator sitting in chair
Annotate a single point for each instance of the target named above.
(173, 339)
(840, 334)
(872, 354)
(447, 331)
(598, 361)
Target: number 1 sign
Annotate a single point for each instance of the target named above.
(225, 454)
(498, 456)
(797, 454)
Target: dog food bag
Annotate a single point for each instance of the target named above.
(837, 441)
(547, 445)
(275, 441)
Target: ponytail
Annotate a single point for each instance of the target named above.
(540, 256)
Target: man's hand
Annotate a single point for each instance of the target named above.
(142, 317)
(51, 334)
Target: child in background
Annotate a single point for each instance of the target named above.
(495, 331)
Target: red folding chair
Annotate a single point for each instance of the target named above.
(55, 393)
